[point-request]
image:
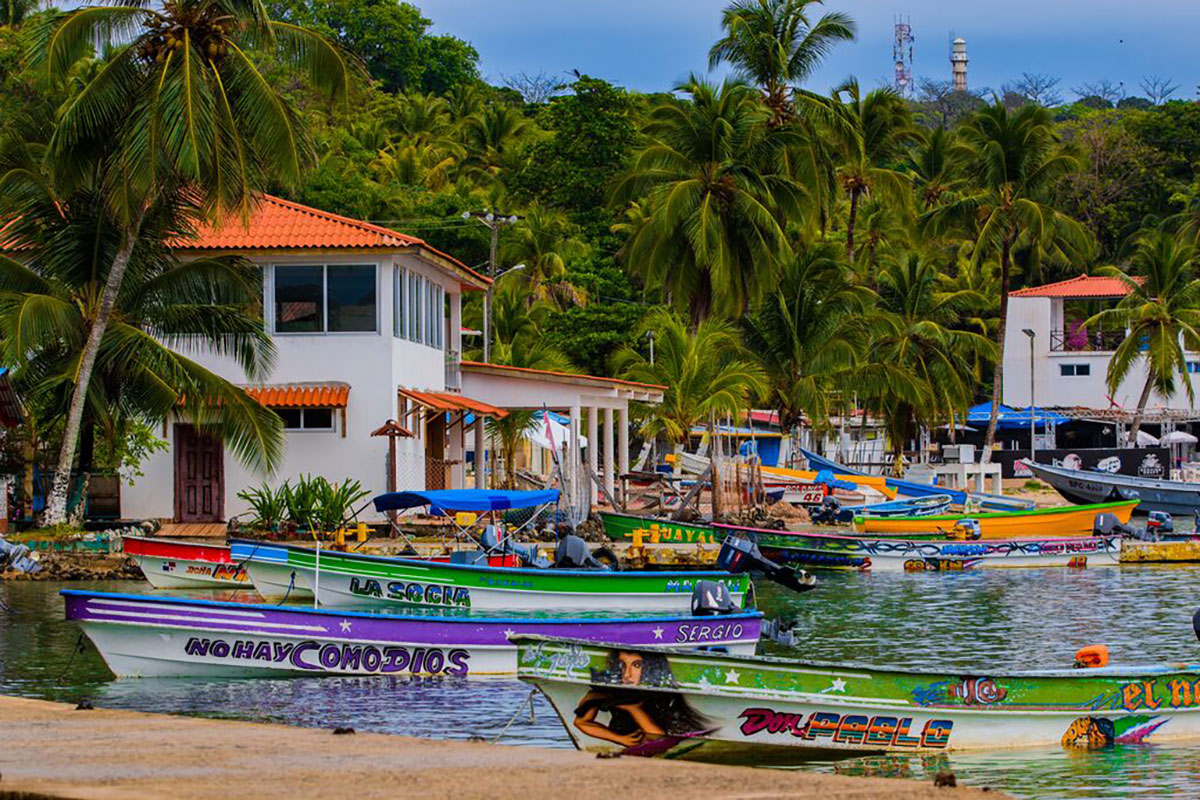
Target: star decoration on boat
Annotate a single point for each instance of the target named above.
(345, 626)
(658, 632)
(839, 685)
(508, 632)
(733, 676)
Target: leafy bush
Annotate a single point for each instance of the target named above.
(268, 505)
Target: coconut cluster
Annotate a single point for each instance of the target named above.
(209, 38)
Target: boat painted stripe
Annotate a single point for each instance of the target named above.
(284, 625)
(169, 607)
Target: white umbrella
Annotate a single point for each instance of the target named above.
(1146, 438)
(1178, 437)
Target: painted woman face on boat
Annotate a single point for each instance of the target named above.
(631, 667)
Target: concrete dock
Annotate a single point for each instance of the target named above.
(52, 750)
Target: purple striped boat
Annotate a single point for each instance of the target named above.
(155, 636)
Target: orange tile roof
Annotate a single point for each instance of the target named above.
(447, 401)
(1081, 286)
(480, 365)
(278, 224)
(302, 395)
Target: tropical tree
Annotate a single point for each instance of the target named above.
(809, 335)
(491, 133)
(179, 106)
(705, 370)
(165, 308)
(1161, 311)
(932, 368)
(1011, 162)
(544, 243)
(773, 44)
(715, 192)
(871, 132)
(935, 175)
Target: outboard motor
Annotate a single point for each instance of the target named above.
(712, 599)
(1107, 524)
(967, 529)
(1160, 522)
(740, 555)
(827, 512)
(572, 553)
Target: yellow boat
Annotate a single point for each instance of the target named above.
(1039, 523)
(783, 474)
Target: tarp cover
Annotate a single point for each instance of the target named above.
(464, 500)
(1012, 418)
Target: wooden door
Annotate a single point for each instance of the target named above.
(199, 476)
(435, 451)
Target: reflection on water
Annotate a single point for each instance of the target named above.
(982, 621)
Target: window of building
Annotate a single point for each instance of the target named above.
(329, 298)
(1194, 367)
(420, 309)
(306, 419)
(1068, 370)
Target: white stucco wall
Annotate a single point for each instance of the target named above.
(373, 364)
(1044, 315)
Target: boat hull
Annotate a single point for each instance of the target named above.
(773, 711)
(1041, 523)
(1083, 486)
(345, 579)
(141, 636)
(865, 554)
(620, 527)
(170, 564)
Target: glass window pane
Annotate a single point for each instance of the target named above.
(351, 298)
(1083, 369)
(290, 417)
(299, 297)
(318, 418)
(397, 301)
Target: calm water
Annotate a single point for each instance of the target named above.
(991, 620)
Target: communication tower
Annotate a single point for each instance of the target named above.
(958, 63)
(902, 55)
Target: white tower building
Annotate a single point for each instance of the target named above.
(958, 63)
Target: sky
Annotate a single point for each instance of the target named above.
(650, 45)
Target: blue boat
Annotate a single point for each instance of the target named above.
(912, 507)
(991, 502)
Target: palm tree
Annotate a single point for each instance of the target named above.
(491, 133)
(705, 370)
(935, 175)
(166, 306)
(871, 133)
(773, 44)
(544, 243)
(808, 334)
(180, 106)
(14, 12)
(933, 368)
(1012, 160)
(1161, 311)
(714, 193)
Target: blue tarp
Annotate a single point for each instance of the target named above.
(1012, 418)
(478, 500)
(826, 477)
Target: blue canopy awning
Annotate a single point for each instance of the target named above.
(441, 501)
(1010, 418)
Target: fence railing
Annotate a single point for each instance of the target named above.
(1081, 341)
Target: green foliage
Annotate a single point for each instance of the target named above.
(591, 142)
(313, 504)
(269, 506)
(393, 40)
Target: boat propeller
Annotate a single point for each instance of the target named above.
(740, 555)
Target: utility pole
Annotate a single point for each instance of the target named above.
(493, 220)
(1032, 372)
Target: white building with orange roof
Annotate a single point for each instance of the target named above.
(367, 325)
(1045, 337)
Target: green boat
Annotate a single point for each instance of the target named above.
(620, 527)
(707, 706)
(353, 579)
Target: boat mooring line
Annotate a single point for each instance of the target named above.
(520, 708)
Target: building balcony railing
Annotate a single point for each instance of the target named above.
(453, 371)
(1081, 341)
